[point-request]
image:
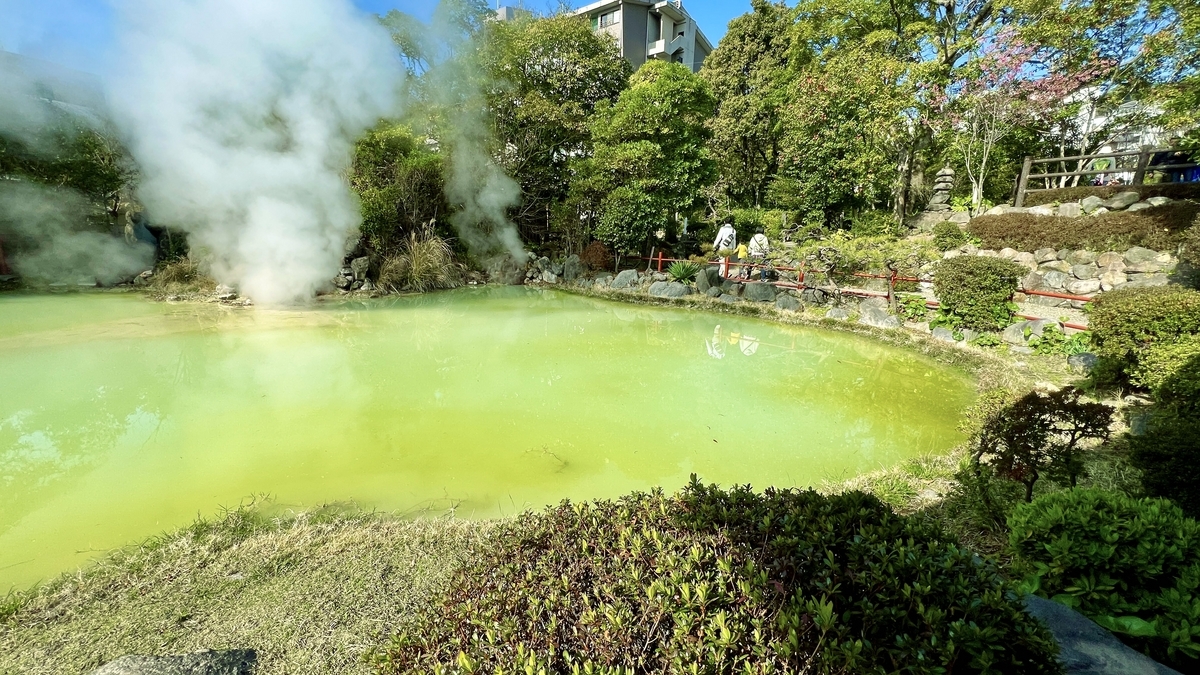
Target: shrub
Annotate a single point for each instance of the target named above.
(849, 254)
(1168, 455)
(976, 292)
(875, 224)
(1128, 324)
(597, 257)
(948, 235)
(683, 271)
(1191, 245)
(721, 581)
(1041, 434)
(182, 275)
(1161, 228)
(1074, 194)
(424, 263)
(1053, 341)
(1131, 565)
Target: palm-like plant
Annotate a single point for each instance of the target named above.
(683, 271)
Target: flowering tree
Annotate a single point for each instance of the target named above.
(1006, 87)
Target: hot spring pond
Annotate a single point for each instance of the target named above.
(120, 417)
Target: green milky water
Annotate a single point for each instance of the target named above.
(120, 418)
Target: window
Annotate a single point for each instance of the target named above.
(610, 19)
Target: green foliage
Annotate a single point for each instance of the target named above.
(1131, 565)
(875, 223)
(912, 308)
(1053, 341)
(1161, 228)
(948, 235)
(398, 182)
(1190, 245)
(723, 582)
(1171, 370)
(1168, 455)
(683, 271)
(987, 340)
(425, 262)
(627, 217)
(1041, 434)
(976, 291)
(1130, 326)
(849, 254)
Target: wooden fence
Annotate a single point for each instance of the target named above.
(1144, 165)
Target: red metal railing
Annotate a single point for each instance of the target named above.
(892, 278)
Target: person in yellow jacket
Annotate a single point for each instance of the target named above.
(743, 254)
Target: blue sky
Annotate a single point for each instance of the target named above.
(78, 33)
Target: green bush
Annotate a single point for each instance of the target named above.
(867, 254)
(1168, 455)
(1128, 324)
(715, 581)
(683, 271)
(1131, 565)
(948, 235)
(875, 224)
(976, 292)
(1191, 245)
(1053, 342)
(1161, 228)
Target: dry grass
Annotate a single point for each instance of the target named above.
(424, 263)
(310, 593)
(182, 277)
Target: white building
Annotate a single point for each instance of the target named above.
(646, 29)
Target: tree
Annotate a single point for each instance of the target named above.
(547, 76)
(653, 141)
(1040, 434)
(398, 182)
(748, 74)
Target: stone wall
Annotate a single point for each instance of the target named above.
(1088, 206)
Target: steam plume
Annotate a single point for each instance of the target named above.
(242, 116)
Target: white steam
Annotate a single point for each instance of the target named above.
(242, 116)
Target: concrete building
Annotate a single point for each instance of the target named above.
(646, 29)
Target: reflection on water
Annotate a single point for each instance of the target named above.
(120, 417)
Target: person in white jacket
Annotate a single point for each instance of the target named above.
(759, 247)
(726, 241)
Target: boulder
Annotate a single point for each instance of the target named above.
(1148, 281)
(731, 287)
(1070, 210)
(1042, 210)
(960, 217)
(625, 279)
(951, 254)
(1158, 201)
(1055, 280)
(341, 282)
(873, 302)
(557, 268)
(944, 334)
(1082, 363)
(1140, 206)
(814, 296)
(232, 662)
(878, 318)
(1027, 260)
(1008, 253)
(549, 277)
(1032, 282)
(987, 253)
(1121, 200)
(1081, 257)
(1085, 271)
(713, 292)
(542, 264)
(787, 303)
(706, 278)
(1090, 204)
(224, 292)
(572, 268)
(1084, 648)
(725, 297)
(669, 289)
(996, 210)
(1106, 260)
(1083, 286)
(506, 270)
(1099, 212)
(969, 335)
(1015, 334)
(1038, 326)
(1112, 280)
(1148, 267)
(839, 313)
(1044, 301)
(1045, 255)
(359, 267)
(1055, 266)
(759, 292)
(1137, 254)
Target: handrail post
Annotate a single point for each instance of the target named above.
(1023, 182)
(660, 259)
(1143, 161)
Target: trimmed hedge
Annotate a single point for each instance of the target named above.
(717, 581)
(947, 235)
(1172, 190)
(976, 291)
(1162, 228)
(1168, 455)
(1135, 327)
(1131, 565)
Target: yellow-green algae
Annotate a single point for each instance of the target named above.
(120, 418)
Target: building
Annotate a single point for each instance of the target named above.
(646, 29)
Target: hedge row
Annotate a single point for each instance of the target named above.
(716, 581)
(1162, 229)
(1172, 190)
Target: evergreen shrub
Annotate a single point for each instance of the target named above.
(1161, 228)
(948, 235)
(1168, 456)
(976, 292)
(716, 581)
(1131, 565)
(1139, 328)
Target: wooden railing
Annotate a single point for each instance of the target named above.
(1139, 170)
